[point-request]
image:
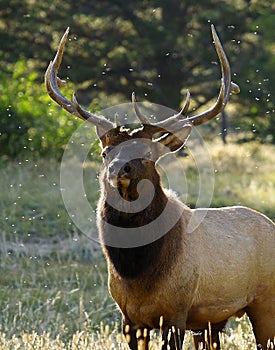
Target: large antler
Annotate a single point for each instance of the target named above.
(176, 122)
(53, 85)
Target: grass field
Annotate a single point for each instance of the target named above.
(53, 289)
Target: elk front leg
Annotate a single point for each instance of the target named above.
(209, 337)
(173, 337)
(136, 338)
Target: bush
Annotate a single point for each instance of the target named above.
(30, 124)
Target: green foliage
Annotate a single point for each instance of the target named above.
(31, 123)
(157, 49)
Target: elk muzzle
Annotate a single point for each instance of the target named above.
(119, 173)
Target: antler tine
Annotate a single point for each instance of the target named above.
(141, 117)
(226, 86)
(117, 122)
(185, 108)
(53, 83)
(163, 124)
(176, 119)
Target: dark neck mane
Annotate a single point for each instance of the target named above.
(148, 260)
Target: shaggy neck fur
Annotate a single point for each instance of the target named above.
(153, 259)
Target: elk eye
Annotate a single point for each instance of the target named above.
(127, 169)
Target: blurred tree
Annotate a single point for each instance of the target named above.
(155, 48)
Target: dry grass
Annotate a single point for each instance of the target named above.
(241, 338)
(107, 339)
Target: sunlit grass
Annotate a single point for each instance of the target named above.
(31, 204)
(106, 338)
(243, 175)
(53, 281)
(59, 289)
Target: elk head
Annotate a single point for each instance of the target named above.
(130, 153)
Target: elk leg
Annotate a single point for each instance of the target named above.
(262, 317)
(200, 343)
(210, 339)
(143, 338)
(130, 336)
(172, 337)
(137, 339)
(198, 339)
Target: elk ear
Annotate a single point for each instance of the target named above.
(100, 131)
(174, 141)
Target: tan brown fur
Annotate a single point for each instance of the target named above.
(224, 268)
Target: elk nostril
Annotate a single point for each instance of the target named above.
(127, 169)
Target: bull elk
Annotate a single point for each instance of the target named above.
(186, 278)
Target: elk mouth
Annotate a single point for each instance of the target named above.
(119, 181)
(122, 185)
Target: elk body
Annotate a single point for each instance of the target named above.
(186, 277)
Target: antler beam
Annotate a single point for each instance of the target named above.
(226, 85)
(176, 122)
(54, 83)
